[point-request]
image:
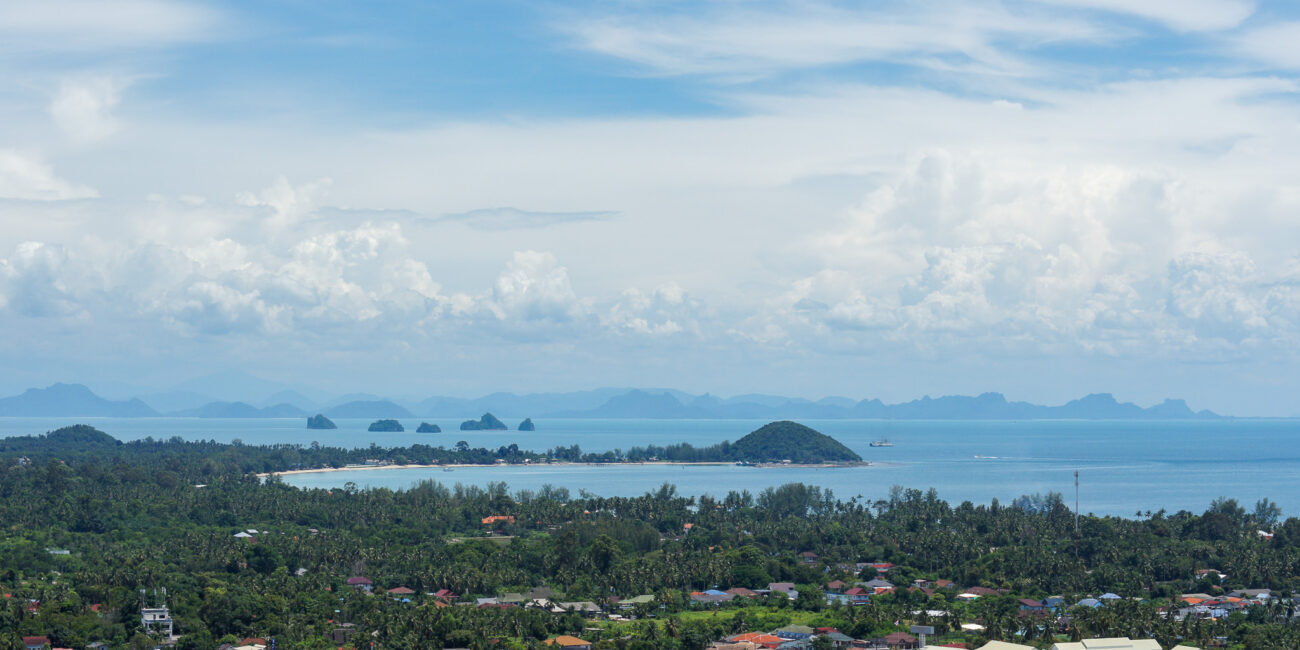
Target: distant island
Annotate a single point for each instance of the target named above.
(425, 427)
(368, 409)
(786, 440)
(319, 421)
(71, 400)
(216, 410)
(386, 425)
(527, 425)
(775, 442)
(488, 422)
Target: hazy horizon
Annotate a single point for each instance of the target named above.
(241, 387)
(1040, 198)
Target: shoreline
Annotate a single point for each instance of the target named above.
(664, 463)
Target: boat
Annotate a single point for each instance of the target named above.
(883, 442)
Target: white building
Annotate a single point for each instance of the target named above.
(155, 620)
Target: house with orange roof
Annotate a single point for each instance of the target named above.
(763, 639)
(566, 641)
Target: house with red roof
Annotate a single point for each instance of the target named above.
(36, 642)
(1031, 605)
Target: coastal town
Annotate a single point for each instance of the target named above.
(604, 623)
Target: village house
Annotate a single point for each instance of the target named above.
(794, 632)
(361, 583)
(36, 642)
(1029, 605)
(878, 586)
(858, 596)
(568, 642)
(760, 639)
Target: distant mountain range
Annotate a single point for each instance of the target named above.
(71, 400)
(67, 400)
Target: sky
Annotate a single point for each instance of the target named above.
(1046, 198)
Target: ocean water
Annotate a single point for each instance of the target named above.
(1124, 466)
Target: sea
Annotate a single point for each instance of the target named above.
(1125, 468)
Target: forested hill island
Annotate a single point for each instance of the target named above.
(75, 400)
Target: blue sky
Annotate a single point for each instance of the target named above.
(1045, 197)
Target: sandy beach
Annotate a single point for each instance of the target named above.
(561, 464)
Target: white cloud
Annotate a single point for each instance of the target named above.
(23, 177)
(35, 281)
(744, 40)
(663, 311)
(1181, 15)
(288, 203)
(1273, 44)
(46, 26)
(82, 108)
(968, 252)
(534, 287)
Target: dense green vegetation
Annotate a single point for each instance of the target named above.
(162, 514)
(319, 421)
(386, 425)
(425, 427)
(488, 422)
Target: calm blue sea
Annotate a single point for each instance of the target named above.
(1124, 466)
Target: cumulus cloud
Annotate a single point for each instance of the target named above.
(662, 311)
(36, 281)
(365, 281)
(26, 178)
(534, 287)
(964, 252)
(287, 203)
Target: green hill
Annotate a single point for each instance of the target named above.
(786, 440)
(386, 425)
